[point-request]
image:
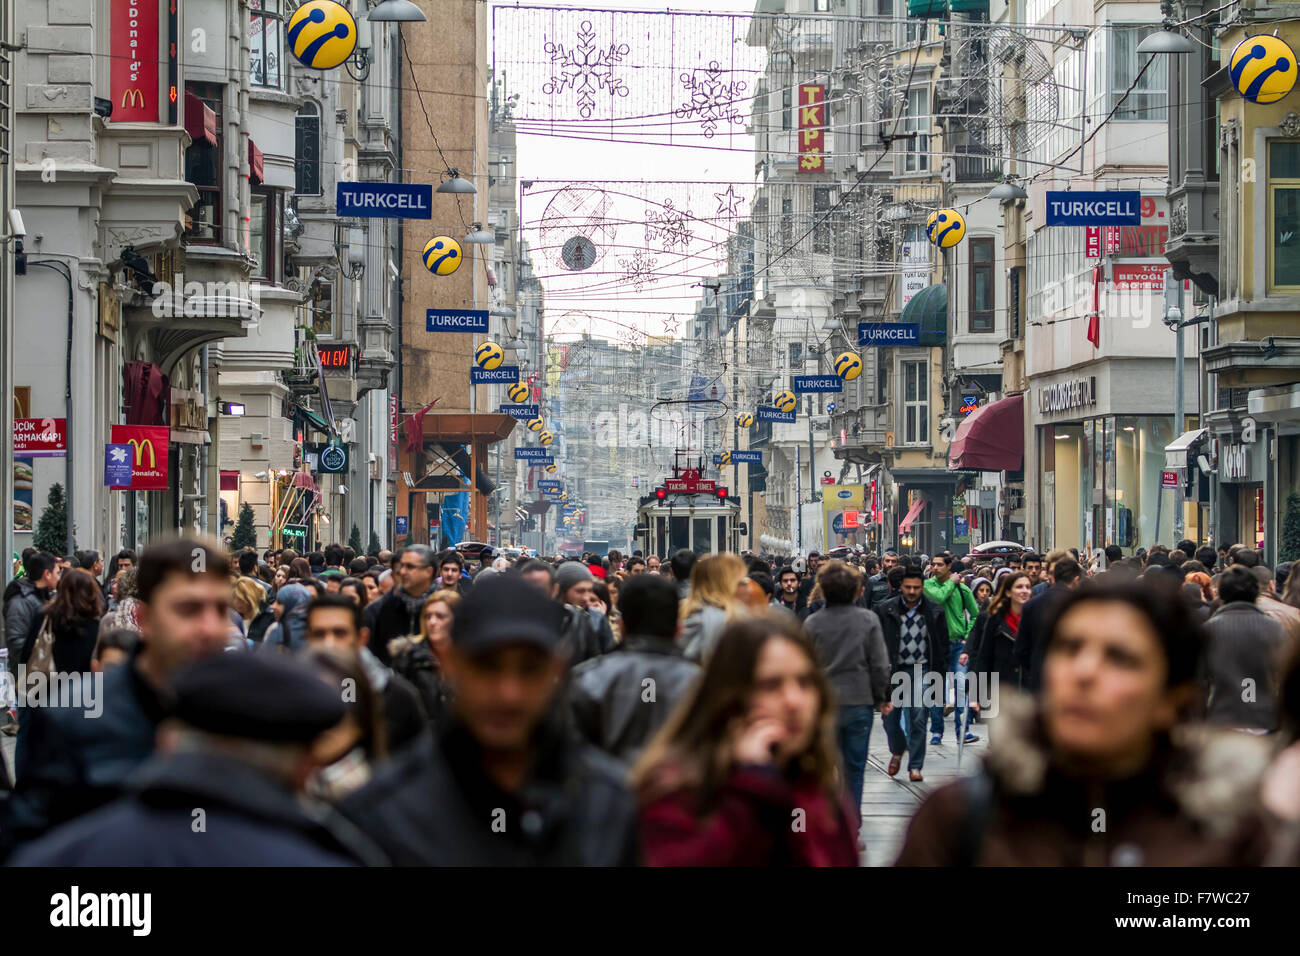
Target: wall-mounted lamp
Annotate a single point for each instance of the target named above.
(231, 408)
(350, 252)
(358, 65)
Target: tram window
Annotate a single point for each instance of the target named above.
(679, 534)
(703, 539)
(724, 540)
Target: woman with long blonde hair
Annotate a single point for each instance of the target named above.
(713, 601)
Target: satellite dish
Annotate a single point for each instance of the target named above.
(578, 253)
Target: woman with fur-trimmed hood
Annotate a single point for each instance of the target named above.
(1103, 769)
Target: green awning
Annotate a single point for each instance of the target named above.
(927, 8)
(929, 309)
(311, 418)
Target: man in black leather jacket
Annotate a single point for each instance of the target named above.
(507, 782)
(619, 700)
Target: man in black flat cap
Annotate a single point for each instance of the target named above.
(225, 786)
(505, 783)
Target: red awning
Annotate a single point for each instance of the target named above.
(992, 438)
(229, 480)
(254, 163)
(303, 479)
(200, 121)
(905, 525)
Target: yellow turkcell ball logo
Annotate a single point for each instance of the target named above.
(518, 393)
(537, 425)
(785, 401)
(744, 419)
(442, 255)
(1262, 69)
(848, 366)
(322, 34)
(489, 355)
(725, 460)
(945, 228)
(546, 438)
(551, 469)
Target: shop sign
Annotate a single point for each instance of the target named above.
(1168, 479)
(1238, 464)
(1079, 393)
(812, 128)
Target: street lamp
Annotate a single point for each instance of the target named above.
(479, 236)
(396, 11)
(1166, 41)
(1007, 191)
(454, 184)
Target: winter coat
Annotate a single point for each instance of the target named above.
(20, 610)
(1243, 643)
(992, 650)
(581, 635)
(249, 819)
(608, 695)
(290, 632)
(749, 826)
(404, 715)
(433, 805)
(74, 643)
(891, 615)
(852, 652)
(415, 662)
(877, 591)
(261, 623)
(1032, 639)
(69, 762)
(701, 631)
(1193, 805)
(394, 615)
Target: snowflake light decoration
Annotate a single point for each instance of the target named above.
(712, 101)
(639, 270)
(586, 70)
(668, 226)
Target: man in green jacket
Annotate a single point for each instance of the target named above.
(961, 610)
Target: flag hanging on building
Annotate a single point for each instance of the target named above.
(1094, 317)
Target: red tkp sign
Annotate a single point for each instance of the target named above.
(40, 437)
(149, 455)
(812, 128)
(133, 71)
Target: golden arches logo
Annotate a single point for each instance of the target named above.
(138, 447)
(133, 98)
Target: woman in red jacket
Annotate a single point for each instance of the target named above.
(744, 773)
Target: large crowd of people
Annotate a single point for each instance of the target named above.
(189, 706)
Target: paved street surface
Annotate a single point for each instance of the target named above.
(889, 802)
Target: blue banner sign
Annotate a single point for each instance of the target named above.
(118, 460)
(456, 320)
(502, 375)
(747, 457)
(402, 524)
(765, 414)
(549, 485)
(384, 201)
(531, 454)
(889, 333)
(540, 462)
(1118, 208)
(818, 383)
(521, 412)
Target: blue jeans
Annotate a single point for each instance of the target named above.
(913, 740)
(936, 713)
(853, 733)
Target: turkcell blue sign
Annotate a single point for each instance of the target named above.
(456, 320)
(403, 523)
(117, 465)
(889, 333)
(747, 457)
(530, 454)
(521, 412)
(766, 414)
(818, 383)
(501, 375)
(384, 201)
(547, 484)
(1117, 208)
(540, 462)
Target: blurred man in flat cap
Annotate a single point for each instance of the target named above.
(505, 783)
(224, 788)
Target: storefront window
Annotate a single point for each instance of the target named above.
(1143, 512)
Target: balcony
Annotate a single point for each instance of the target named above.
(863, 437)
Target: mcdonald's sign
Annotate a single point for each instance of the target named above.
(149, 447)
(136, 53)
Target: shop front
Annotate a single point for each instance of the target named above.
(926, 505)
(1242, 478)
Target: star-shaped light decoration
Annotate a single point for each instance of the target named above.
(728, 203)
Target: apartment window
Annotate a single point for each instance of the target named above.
(265, 216)
(203, 168)
(981, 285)
(917, 120)
(265, 43)
(306, 150)
(821, 219)
(796, 356)
(1116, 66)
(916, 403)
(1284, 215)
(787, 108)
(821, 6)
(320, 306)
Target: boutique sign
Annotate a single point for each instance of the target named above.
(1080, 393)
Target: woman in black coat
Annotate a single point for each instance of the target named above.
(74, 614)
(991, 648)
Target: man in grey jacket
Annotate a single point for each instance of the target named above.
(851, 648)
(1243, 657)
(41, 577)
